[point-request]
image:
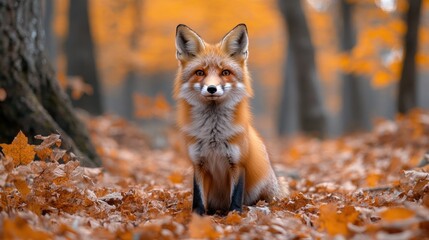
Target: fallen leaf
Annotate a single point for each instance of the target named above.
(396, 213)
(233, 218)
(176, 178)
(79, 87)
(22, 186)
(44, 153)
(57, 154)
(373, 179)
(48, 141)
(337, 223)
(202, 227)
(19, 150)
(19, 228)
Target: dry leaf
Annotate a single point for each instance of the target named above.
(22, 186)
(57, 154)
(337, 223)
(19, 228)
(19, 150)
(48, 141)
(43, 154)
(79, 87)
(176, 178)
(396, 214)
(202, 227)
(233, 218)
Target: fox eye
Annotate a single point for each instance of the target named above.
(226, 73)
(199, 73)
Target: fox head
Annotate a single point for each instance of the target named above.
(211, 73)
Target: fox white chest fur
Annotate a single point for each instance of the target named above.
(231, 165)
(212, 126)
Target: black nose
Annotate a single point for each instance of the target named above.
(211, 89)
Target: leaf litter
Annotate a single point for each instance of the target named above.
(364, 185)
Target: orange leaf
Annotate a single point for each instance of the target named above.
(22, 186)
(373, 179)
(233, 218)
(336, 223)
(176, 177)
(19, 150)
(201, 227)
(43, 154)
(79, 87)
(397, 213)
(19, 228)
(161, 105)
(381, 79)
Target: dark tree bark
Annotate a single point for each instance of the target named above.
(50, 43)
(312, 117)
(407, 98)
(35, 103)
(80, 56)
(355, 91)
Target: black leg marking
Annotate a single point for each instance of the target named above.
(211, 211)
(237, 195)
(197, 201)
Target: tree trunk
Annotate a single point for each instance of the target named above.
(354, 115)
(312, 117)
(288, 112)
(48, 16)
(407, 84)
(80, 56)
(35, 103)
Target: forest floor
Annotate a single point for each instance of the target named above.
(365, 185)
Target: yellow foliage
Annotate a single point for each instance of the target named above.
(115, 24)
(60, 24)
(422, 59)
(381, 79)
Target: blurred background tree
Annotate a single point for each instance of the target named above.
(80, 56)
(407, 97)
(301, 74)
(347, 62)
(32, 100)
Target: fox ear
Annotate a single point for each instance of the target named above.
(236, 42)
(188, 43)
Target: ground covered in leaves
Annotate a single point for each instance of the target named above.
(360, 186)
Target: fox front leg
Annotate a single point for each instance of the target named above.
(237, 194)
(197, 200)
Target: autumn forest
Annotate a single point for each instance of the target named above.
(308, 120)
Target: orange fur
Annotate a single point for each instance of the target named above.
(260, 181)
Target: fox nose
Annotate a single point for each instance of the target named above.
(211, 89)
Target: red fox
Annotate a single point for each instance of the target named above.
(212, 89)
